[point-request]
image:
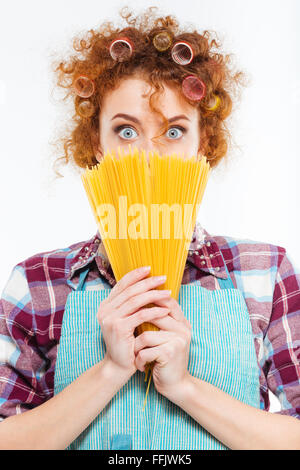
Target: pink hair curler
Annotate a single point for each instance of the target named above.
(193, 88)
(121, 49)
(182, 53)
(84, 86)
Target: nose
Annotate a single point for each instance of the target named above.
(151, 146)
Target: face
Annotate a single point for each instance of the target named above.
(126, 118)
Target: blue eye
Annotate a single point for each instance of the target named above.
(174, 132)
(128, 131)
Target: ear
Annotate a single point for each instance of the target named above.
(96, 145)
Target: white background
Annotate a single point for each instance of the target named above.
(254, 196)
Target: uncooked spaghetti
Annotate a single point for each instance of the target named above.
(132, 199)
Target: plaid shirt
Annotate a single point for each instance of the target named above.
(33, 301)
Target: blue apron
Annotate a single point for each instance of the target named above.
(222, 352)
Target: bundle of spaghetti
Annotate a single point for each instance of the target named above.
(127, 191)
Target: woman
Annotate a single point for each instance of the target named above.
(214, 363)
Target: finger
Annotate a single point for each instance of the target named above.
(150, 339)
(146, 315)
(176, 311)
(167, 323)
(148, 355)
(127, 280)
(137, 302)
(150, 283)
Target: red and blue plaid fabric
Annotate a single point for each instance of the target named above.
(33, 301)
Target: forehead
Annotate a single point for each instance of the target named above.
(133, 94)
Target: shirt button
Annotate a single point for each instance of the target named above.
(86, 248)
(92, 253)
(80, 257)
(202, 262)
(208, 243)
(97, 240)
(217, 268)
(211, 255)
(202, 256)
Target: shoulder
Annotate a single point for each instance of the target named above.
(34, 281)
(255, 265)
(48, 265)
(249, 254)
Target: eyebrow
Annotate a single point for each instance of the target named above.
(134, 119)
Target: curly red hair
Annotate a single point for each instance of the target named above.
(156, 68)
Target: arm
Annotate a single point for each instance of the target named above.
(235, 424)
(240, 426)
(54, 424)
(58, 421)
(32, 420)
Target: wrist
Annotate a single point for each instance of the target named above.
(113, 372)
(182, 392)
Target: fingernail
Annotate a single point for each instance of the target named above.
(161, 278)
(145, 268)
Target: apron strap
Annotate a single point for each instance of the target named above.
(82, 277)
(226, 283)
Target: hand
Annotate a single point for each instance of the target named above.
(168, 347)
(120, 313)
